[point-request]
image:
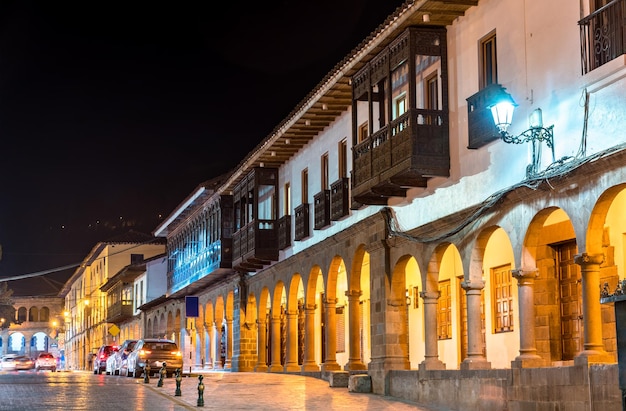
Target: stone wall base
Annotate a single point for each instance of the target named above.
(595, 387)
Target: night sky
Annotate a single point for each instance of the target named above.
(112, 113)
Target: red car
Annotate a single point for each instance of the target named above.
(100, 359)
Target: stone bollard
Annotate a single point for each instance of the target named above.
(146, 374)
(162, 374)
(200, 392)
(179, 378)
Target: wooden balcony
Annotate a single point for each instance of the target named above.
(255, 245)
(340, 199)
(404, 154)
(302, 229)
(603, 35)
(284, 232)
(321, 202)
(119, 311)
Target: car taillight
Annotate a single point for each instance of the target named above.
(102, 356)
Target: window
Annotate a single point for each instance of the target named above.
(364, 132)
(136, 258)
(324, 173)
(400, 89)
(305, 186)
(444, 311)
(343, 158)
(432, 92)
(287, 199)
(265, 209)
(488, 61)
(502, 298)
(597, 4)
(399, 106)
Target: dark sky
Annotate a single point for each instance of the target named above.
(112, 113)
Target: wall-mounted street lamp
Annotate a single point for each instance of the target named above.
(502, 112)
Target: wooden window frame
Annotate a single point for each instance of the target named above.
(488, 60)
(444, 310)
(502, 299)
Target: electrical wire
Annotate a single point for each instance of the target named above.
(555, 170)
(66, 267)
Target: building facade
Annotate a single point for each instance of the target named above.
(99, 297)
(389, 227)
(38, 327)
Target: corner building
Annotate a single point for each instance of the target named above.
(388, 227)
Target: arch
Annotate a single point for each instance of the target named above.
(22, 315)
(406, 272)
(44, 314)
(295, 324)
(549, 249)
(493, 256)
(33, 314)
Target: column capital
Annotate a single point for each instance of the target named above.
(588, 259)
(330, 301)
(310, 307)
(354, 293)
(429, 295)
(469, 285)
(525, 275)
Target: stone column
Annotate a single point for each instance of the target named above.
(593, 350)
(475, 359)
(431, 351)
(275, 366)
(330, 362)
(354, 331)
(229, 343)
(206, 346)
(217, 333)
(291, 365)
(261, 365)
(309, 340)
(526, 304)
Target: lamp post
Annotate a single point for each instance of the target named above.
(502, 111)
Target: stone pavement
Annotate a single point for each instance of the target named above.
(272, 391)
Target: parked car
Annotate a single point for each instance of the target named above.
(100, 359)
(153, 352)
(24, 362)
(115, 361)
(46, 361)
(8, 362)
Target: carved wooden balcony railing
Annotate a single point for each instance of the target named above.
(405, 153)
(284, 232)
(255, 245)
(339, 198)
(119, 311)
(321, 202)
(603, 35)
(302, 228)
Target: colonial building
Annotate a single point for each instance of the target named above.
(38, 327)
(392, 226)
(99, 295)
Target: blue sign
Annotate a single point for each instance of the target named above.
(192, 307)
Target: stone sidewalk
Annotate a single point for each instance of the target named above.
(272, 391)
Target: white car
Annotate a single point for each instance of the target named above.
(118, 359)
(8, 362)
(46, 361)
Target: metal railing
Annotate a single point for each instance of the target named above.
(603, 35)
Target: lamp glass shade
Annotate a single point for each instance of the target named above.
(502, 113)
